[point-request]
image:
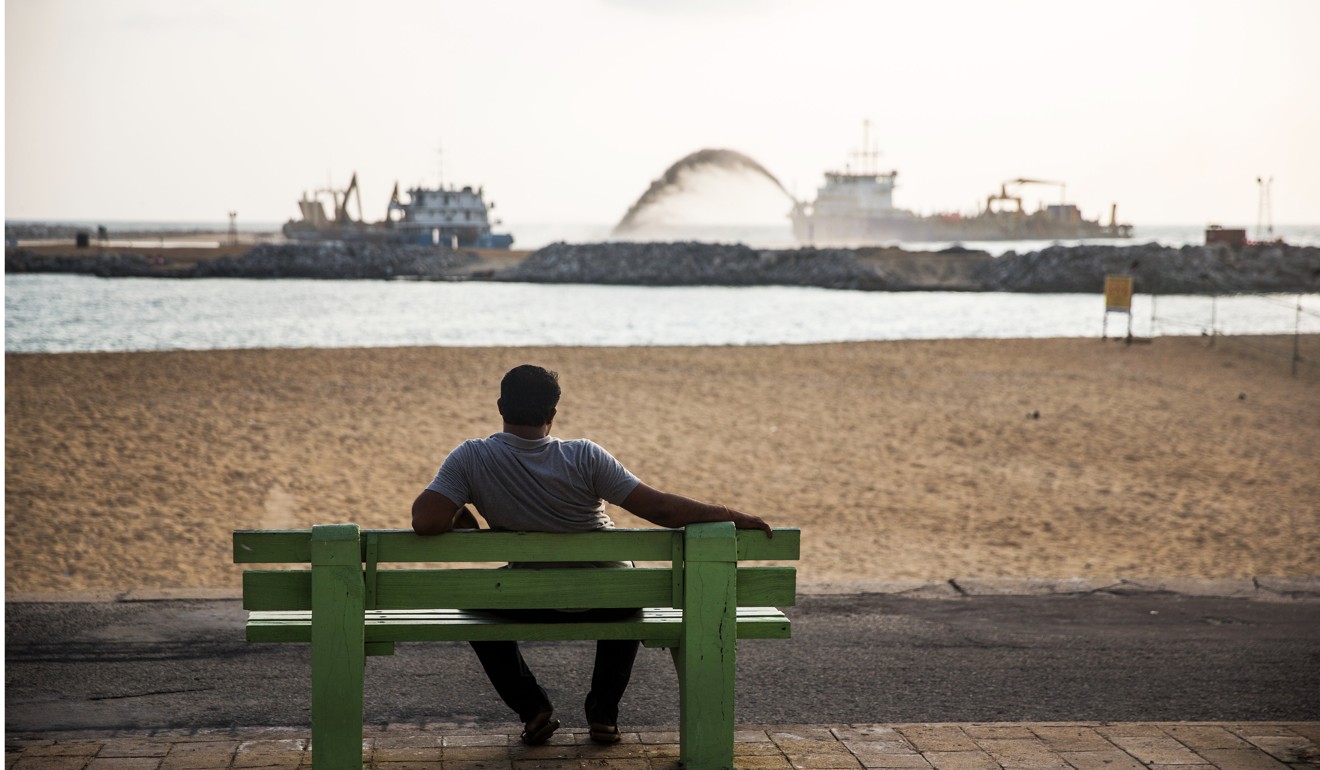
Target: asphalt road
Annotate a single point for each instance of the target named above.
(852, 659)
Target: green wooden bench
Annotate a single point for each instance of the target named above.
(348, 605)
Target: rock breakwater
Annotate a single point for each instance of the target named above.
(1156, 269)
(1066, 269)
(336, 259)
(332, 259)
(694, 264)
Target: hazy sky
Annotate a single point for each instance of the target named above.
(565, 111)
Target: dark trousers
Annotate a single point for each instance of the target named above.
(517, 685)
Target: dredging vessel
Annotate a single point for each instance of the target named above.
(857, 207)
(441, 216)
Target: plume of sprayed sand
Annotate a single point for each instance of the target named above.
(672, 182)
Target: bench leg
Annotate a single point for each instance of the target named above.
(705, 659)
(338, 653)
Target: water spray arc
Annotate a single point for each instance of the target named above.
(672, 181)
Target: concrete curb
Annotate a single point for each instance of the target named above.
(1258, 588)
(1263, 588)
(110, 596)
(1218, 745)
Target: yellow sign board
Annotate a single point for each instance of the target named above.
(1118, 293)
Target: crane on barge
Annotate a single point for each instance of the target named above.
(1017, 199)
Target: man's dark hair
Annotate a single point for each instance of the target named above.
(529, 395)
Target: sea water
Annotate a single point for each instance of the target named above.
(66, 313)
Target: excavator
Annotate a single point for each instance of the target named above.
(341, 204)
(1017, 199)
(313, 212)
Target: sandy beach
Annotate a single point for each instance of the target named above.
(899, 460)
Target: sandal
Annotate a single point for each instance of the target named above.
(538, 735)
(604, 733)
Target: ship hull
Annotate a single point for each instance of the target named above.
(818, 229)
(461, 238)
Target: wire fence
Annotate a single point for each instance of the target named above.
(1277, 325)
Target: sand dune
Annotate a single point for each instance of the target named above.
(899, 460)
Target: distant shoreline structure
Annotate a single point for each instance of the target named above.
(856, 205)
(1211, 270)
(451, 217)
(532, 236)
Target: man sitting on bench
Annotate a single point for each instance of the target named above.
(523, 479)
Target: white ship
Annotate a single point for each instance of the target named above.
(444, 216)
(857, 207)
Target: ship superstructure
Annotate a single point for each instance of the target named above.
(857, 207)
(444, 216)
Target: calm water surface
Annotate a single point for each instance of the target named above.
(63, 313)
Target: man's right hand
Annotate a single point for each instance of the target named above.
(670, 510)
(748, 521)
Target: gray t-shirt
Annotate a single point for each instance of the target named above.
(542, 485)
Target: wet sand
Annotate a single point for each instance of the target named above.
(899, 460)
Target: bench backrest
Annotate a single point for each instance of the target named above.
(354, 554)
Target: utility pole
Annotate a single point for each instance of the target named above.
(233, 228)
(1263, 212)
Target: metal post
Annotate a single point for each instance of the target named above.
(1214, 301)
(1297, 336)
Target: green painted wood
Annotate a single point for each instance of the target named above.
(705, 655)
(703, 639)
(753, 545)
(338, 655)
(378, 648)
(294, 546)
(488, 546)
(269, 546)
(522, 588)
(711, 541)
(404, 589)
(763, 586)
(372, 540)
(676, 563)
(277, 589)
(654, 626)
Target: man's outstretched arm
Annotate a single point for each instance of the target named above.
(670, 510)
(433, 513)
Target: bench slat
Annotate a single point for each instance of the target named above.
(294, 546)
(266, 616)
(485, 545)
(767, 586)
(515, 588)
(507, 589)
(655, 625)
(786, 545)
(270, 546)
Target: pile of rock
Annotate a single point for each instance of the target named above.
(331, 259)
(16, 231)
(104, 265)
(337, 259)
(693, 264)
(1156, 269)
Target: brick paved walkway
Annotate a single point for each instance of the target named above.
(1030, 746)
